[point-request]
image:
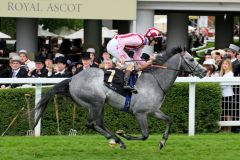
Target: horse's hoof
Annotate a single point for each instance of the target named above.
(112, 143)
(161, 145)
(120, 132)
(123, 146)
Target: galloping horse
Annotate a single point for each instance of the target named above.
(87, 89)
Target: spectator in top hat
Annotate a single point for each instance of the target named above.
(17, 71)
(86, 62)
(61, 64)
(232, 52)
(207, 54)
(26, 62)
(92, 52)
(49, 64)
(40, 70)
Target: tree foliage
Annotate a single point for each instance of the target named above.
(8, 25)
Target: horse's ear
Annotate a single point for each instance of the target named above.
(184, 49)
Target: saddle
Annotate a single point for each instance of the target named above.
(114, 79)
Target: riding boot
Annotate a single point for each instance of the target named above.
(126, 80)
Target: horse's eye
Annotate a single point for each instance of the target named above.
(191, 60)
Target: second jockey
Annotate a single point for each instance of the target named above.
(121, 44)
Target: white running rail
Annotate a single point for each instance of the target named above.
(192, 85)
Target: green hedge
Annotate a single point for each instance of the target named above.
(208, 110)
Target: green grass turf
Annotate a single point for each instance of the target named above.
(94, 147)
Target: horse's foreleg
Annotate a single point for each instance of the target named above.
(142, 120)
(168, 121)
(95, 121)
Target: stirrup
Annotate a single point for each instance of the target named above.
(132, 89)
(127, 87)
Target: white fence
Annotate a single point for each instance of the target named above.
(192, 85)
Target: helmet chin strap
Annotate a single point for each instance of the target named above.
(149, 41)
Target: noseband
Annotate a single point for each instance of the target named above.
(192, 69)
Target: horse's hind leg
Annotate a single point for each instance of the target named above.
(168, 121)
(95, 121)
(142, 120)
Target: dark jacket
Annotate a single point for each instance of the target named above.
(22, 73)
(236, 68)
(65, 74)
(43, 73)
(5, 71)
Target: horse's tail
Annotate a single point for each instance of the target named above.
(61, 88)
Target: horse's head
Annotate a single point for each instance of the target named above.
(189, 64)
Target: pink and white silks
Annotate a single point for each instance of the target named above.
(130, 42)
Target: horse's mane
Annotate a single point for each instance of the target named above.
(163, 57)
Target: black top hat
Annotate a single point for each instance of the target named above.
(145, 56)
(208, 52)
(49, 56)
(39, 59)
(86, 55)
(61, 60)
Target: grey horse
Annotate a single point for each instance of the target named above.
(87, 89)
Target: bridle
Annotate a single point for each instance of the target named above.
(192, 69)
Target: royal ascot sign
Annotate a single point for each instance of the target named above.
(73, 9)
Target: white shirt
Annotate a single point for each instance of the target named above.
(15, 72)
(61, 72)
(227, 90)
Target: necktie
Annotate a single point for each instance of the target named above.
(14, 74)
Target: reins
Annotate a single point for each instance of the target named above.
(174, 69)
(169, 68)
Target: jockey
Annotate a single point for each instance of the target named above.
(121, 44)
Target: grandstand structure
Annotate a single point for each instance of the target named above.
(124, 15)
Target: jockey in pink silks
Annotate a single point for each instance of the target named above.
(118, 46)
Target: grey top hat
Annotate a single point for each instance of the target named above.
(16, 58)
(233, 47)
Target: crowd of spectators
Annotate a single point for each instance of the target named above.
(225, 63)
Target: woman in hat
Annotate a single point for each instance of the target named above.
(211, 67)
(49, 64)
(40, 70)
